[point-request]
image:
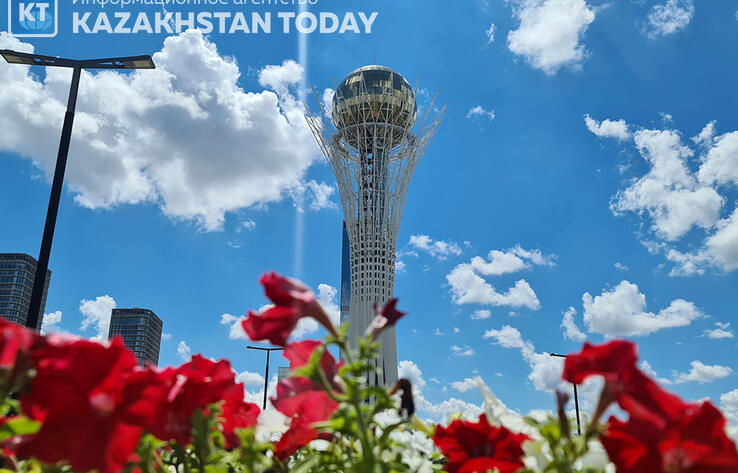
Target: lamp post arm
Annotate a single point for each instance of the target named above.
(56, 189)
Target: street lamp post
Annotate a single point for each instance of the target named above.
(576, 397)
(14, 57)
(266, 373)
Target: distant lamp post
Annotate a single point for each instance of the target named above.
(266, 373)
(576, 397)
(14, 57)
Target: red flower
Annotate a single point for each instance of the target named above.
(292, 301)
(237, 414)
(299, 434)
(634, 391)
(479, 447)
(78, 395)
(297, 396)
(694, 443)
(192, 386)
(299, 354)
(16, 344)
(613, 360)
(384, 318)
(14, 340)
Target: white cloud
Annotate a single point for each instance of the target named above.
(670, 17)
(185, 136)
(438, 332)
(720, 164)
(247, 224)
(513, 260)
(457, 330)
(327, 98)
(678, 200)
(250, 379)
(729, 406)
(166, 336)
(722, 246)
(481, 314)
(257, 397)
(327, 296)
(608, 128)
(549, 32)
(448, 408)
(479, 112)
(702, 373)
(469, 288)
(51, 322)
(96, 313)
(465, 351)
(648, 369)
(184, 352)
(400, 266)
(490, 33)
(722, 331)
(545, 370)
(622, 312)
(464, 386)
(236, 330)
(668, 193)
(436, 248)
(571, 331)
(620, 266)
(317, 194)
(410, 371)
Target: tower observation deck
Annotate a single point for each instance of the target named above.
(373, 142)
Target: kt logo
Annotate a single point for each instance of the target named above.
(33, 19)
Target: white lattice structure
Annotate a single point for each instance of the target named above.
(373, 144)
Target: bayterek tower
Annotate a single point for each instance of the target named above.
(373, 141)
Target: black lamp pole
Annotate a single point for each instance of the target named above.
(266, 372)
(14, 57)
(576, 398)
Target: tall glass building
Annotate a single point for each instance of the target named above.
(141, 332)
(17, 271)
(345, 277)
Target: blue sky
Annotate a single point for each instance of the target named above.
(587, 165)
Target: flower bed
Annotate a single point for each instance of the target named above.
(77, 405)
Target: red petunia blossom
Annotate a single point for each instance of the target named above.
(16, 345)
(694, 443)
(299, 434)
(613, 360)
(634, 391)
(14, 341)
(192, 386)
(292, 301)
(236, 413)
(298, 396)
(77, 393)
(384, 318)
(299, 354)
(644, 398)
(479, 447)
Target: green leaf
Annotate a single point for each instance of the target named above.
(18, 426)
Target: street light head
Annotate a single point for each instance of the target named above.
(141, 62)
(14, 57)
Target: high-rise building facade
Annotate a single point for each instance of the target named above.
(141, 331)
(17, 271)
(345, 277)
(372, 143)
